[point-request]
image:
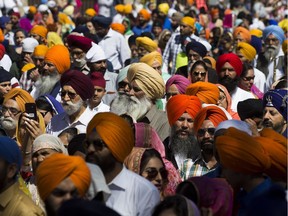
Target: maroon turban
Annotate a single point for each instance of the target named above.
(231, 58)
(80, 42)
(181, 83)
(2, 51)
(79, 82)
(97, 79)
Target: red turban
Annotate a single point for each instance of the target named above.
(245, 33)
(56, 168)
(179, 104)
(97, 79)
(2, 51)
(80, 42)
(231, 58)
(207, 92)
(213, 113)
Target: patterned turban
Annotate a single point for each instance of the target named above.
(256, 32)
(59, 55)
(276, 31)
(39, 30)
(115, 132)
(148, 80)
(40, 51)
(56, 168)
(20, 96)
(242, 153)
(188, 21)
(78, 41)
(145, 14)
(150, 58)
(81, 83)
(248, 51)
(147, 43)
(118, 27)
(231, 58)
(48, 141)
(179, 81)
(196, 47)
(213, 113)
(164, 8)
(246, 35)
(180, 104)
(207, 92)
(90, 12)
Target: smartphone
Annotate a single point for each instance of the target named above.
(29, 72)
(30, 108)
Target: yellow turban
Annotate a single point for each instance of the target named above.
(27, 67)
(53, 39)
(90, 12)
(40, 51)
(151, 58)
(148, 80)
(243, 32)
(147, 43)
(128, 9)
(54, 169)
(145, 14)
(285, 46)
(115, 132)
(118, 27)
(207, 92)
(20, 96)
(60, 57)
(164, 8)
(256, 32)
(248, 51)
(120, 8)
(39, 30)
(64, 19)
(284, 24)
(188, 21)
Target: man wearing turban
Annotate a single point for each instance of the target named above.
(181, 111)
(5, 83)
(163, 16)
(39, 33)
(110, 140)
(145, 45)
(60, 178)
(153, 59)
(143, 25)
(76, 88)
(175, 85)
(241, 34)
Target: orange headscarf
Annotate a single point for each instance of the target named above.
(243, 32)
(59, 55)
(54, 169)
(145, 14)
(213, 113)
(207, 92)
(20, 96)
(118, 27)
(115, 132)
(39, 30)
(179, 104)
(242, 153)
(40, 50)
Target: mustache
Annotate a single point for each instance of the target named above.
(9, 119)
(267, 123)
(68, 103)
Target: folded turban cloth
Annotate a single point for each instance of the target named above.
(285, 46)
(115, 132)
(146, 15)
(120, 8)
(248, 51)
(150, 58)
(242, 153)
(90, 12)
(39, 30)
(5, 76)
(56, 168)
(118, 27)
(213, 113)
(278, 99)
(180, 104)
(276, 31)
(81, 83)
(250, 108)
(147, 43)
(10, 152)
(164, 8)
(40, 51)
(2, 51)
(20, 96)
(188, 21)
(196, 47)
(102, 21)
(97, 79)
(245, 34)
(148, 80)
(28, 44)
(256, 32)
(207, 92)
(212, 61)
(240, 125)
(232, 59)
(78, 41)
(48, 141)
(59, 55)
(179, 81)
(53, 39)
(256, 43)
(95, 53)
(27, 67)
(128, 8)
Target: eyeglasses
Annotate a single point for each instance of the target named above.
(197, 73)
(44, 113)
(153, 172)
(71, 95)
(97, 144)
(12, 110)
(248, 78)
(202, 132)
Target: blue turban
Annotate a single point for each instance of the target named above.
(196, 47)
(277, 98)
(102, 21)
(5, 76)
(276, 31)
(256, 43)
(122, 75)
(10, 152)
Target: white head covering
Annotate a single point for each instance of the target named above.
(240, 125)
(29, 44)
(43, 8)
(51, 4)
(95, 53)
(48, 141)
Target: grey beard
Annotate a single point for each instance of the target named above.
(79, 63)
(71, 108)
(47, 83)
(8, 123)
(271, 52)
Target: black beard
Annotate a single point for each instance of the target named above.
(229, 83)
(207, 146)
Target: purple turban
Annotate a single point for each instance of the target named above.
(181, 83)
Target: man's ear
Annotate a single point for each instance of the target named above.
(11, 170)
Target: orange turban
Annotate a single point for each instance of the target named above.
(207, 92)
(20, 96)
(40, 50)
(90, 12)
(118, 27)
(1, 36)
(180, 104)
(213, 113)
(145, 14)
(212, 61)
(32, 9)
(147, 43)
(120, 8)
(60, 57)
(214, 11)
(248, 51)
(151, 58)
(256, 32)
(115, 132)
(242, 153)
(39, 30)
(54, 169)
(243, 32)
(188, 21)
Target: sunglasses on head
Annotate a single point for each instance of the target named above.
(153, 172)
(201, 132)
(71, 95)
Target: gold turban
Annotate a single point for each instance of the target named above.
(147, 43)
(148, 80)
(151, 58)
(128, 9)
(164, 8)
(90, 12)
(256, 32)
(39, 30)
(120, 8)
(40, 51)
(56, 168)
(115, 132)
(248, 51)
(20, 96)
(188, 21)
(243, 32)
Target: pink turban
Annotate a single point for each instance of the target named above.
(179, 81)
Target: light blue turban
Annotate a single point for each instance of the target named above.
(276, 31)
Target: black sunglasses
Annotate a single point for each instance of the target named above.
(201, 132)
(44, 113)
(71, 95)
(153, 172)
(202, 74)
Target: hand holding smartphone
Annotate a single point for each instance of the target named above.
(30, 109)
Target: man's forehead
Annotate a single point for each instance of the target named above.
(69, 88)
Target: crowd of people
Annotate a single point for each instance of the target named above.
(143, 108)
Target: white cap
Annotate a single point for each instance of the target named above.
(95, 53)
(43, 8)
(51, 4)
(29, 44)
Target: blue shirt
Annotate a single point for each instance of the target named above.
(137, 30)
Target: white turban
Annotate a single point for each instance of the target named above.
(95, 53)
(29, 44)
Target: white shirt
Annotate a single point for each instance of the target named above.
(239, 95)
(260, 80)
(132, 195)
(111, 91)
(101, 108)
(6, 62)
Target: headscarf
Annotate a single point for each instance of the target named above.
(10, 152)
(242, 153)
(111, 128)
(248, 51)
(180, 104)
(133, 160)
(53, 39)
(20, 96)
(118, 27)
(212, 61)
(207, 92)
(59, 55)
(79, 41)
(147, 43)
(146, 15)
(276, 31)
(179, 81)
(246, 35)
(54, 169)
(213, 113)
(150, 58)
(164, 8)
(148, 80)
(196, 47)
(188, 21)
(40, 50)
(48, 141)
(39, 30)
(81, 83)
(231, 58)
(56, 105)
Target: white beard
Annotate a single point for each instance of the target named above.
(79, 63)
(271, 52)
(47, 83)
(71, 108)
(8, 123)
